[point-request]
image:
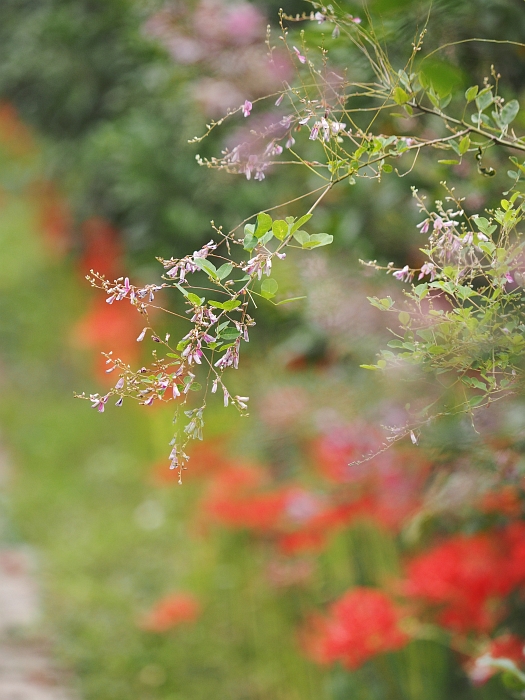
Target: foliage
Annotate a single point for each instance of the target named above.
(476, 343)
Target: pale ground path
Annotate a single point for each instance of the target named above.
(27, 671)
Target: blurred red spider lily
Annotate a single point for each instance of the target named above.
(468, 577)
(171, 611)
(206, 459)
(363, 623)
(109, 327)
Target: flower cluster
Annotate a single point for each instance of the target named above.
(361, 624)
(467, 578)
(180, 268)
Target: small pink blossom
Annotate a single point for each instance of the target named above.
(424, 226)
(247, 108)
(301, 58)
(428, 269)
(404, 275)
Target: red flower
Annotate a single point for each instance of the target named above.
(255, 512)
(508, 646)
(361, 624)
(335, 451)
(206, 459)
(467, 577)
(171, 611)
(108, 327)
(103, 251)
(234, 499)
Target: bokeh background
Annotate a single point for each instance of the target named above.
(222, 585)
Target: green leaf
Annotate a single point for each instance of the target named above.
(484, 225)
(421, 290)
(224, 271)
(464, 292)
(181, 289)
(301, 237)
(400, 96)
(231, 304)
(475, 400)
(387, 168)
(464, 145)
(449, 162)
(484, 99)
(369, 367)
(269, 288)
(263, 240)
(300, 222)
(264, 224)
(229, 333)
(509, 112)
(381, 304)
(250, 241)
(445, 101)
(280, 229)
(318, 239)
(471, 93)
(433, 99)
(288, 301)
(194, 299)
(404, 318)
(207, 266)
(172, 354)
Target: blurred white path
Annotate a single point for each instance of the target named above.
(27, 671)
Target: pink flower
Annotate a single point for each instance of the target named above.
(247, 108)
(428, 269)
(314, 133)
(423, 226)
(301, 58)
(404, 275)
